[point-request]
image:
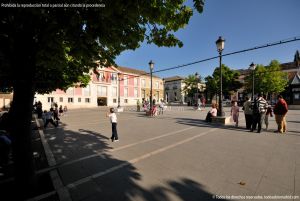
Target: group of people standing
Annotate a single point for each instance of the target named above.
(258, 111)
(51, 116)
(156, 109)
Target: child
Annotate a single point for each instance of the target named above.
(268, 113)
(113, 119)
(235, 113)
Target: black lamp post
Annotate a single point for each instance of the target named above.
(252, 68)
(119, 80)
(197, 97)
(220, 46)
(151, 65)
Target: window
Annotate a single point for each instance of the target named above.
(50, 99)
(144, 93)
(135, 81)
(101, 77)
(114, 100)
(114, 78)
(101, 91)
(87, 100)
(157, 85)
(125, 92)
(70, 91)
(125, 80)
(135, 92)
(79, 100)
(125, 100)
(143, 83)
(114, 92)
(70, 100)
(87, 90)
(61, 99)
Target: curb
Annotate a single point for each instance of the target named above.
(61, 190)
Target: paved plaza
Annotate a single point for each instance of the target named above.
(173, 157)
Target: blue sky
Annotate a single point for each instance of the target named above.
(243, 23)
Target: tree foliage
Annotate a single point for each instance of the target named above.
(229, 81)
(211, 86)
(269, 79)
(66, 42)
(43, 49)
(191, 85)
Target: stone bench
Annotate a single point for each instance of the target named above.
(221, 120)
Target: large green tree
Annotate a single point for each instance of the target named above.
(47, 48)
(191, 85)
(267, 79)
(229, 81)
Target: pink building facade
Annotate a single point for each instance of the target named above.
(109, 87)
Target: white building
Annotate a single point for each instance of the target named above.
(173, 87)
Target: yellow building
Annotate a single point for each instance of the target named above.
(157, 87)
(144, 80)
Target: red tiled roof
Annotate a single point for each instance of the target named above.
(173, 78)
(134, 71)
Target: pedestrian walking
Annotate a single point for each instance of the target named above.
(269, 113)
(39, 109)
(61, 111)
(203, 101)
(161, 107)
(248, 112)
(280, 111)
(55, 115)
(113, 119)
(65, 110)
(49, 118)
(44, 116)
(259, 107)
(138, 106)
(235, 111)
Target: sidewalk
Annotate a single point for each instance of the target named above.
(176, 156)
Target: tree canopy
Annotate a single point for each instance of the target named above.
(229, 81)
(43, 49)
(64, 43)
(269, 79)
(191, 85)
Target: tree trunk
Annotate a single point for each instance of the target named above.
(21, 116)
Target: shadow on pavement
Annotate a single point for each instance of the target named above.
(293, 121)
(195, 122)
(91, 173)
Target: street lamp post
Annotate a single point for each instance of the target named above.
(252, 68)
(151, 65)
(197, 97)
(119, 80)
(220, 46)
